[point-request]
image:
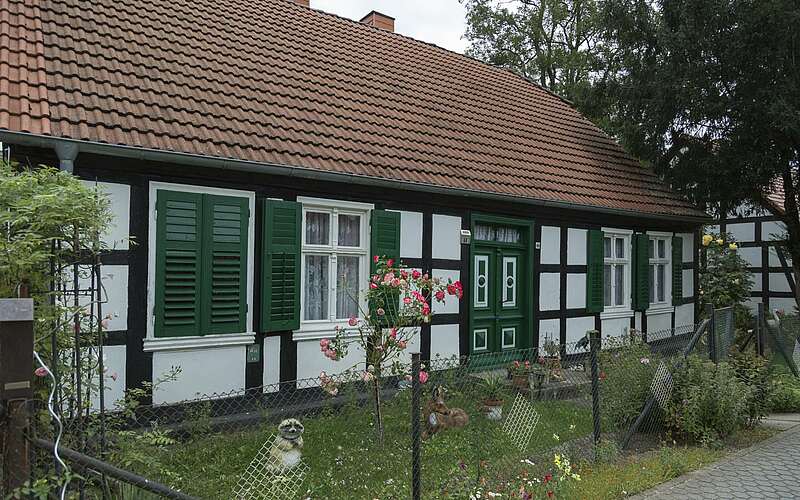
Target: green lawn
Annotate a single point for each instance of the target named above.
(345, 462)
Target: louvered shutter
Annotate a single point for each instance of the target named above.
(280, 266)
(594, 271)
(385, 234)
(385, 241)
(178, 263)
(641, 272)
(224, 296)
(677, 271)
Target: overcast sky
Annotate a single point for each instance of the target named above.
(435, 21)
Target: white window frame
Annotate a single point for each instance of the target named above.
(503, 331)
(513, 302)
(667, 261)
(315, 329)
(623, 310)
(475, 348)
(485, 286)
(151, 343)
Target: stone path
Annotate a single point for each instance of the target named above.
(768, 470)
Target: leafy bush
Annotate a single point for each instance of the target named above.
(725, 279)
(784, 393)
(752, 370)
(709, 402)
(625, 379)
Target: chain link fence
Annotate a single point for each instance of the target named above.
(475, 423)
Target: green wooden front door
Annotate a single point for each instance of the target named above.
(500, 281)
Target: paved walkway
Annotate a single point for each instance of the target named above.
(768, 470)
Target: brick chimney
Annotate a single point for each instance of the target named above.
(304, 3)
(379, 20)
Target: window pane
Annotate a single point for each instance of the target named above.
(660, 281)
(508, 337)
(507, 235)
(349, 230)
(480, 339)
(607, 285)
(318, 231)
(315, 300)
(651, 246)
(619, 285)
(607, 248)
(662, 249)
(485, 233)
(619, 244)
(652, 282)
(347, 286)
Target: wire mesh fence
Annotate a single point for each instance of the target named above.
(783, 341)
(483, 422)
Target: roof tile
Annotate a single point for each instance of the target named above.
(274, 82)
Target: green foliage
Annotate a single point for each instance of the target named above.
(709, 402)
(607, 451)
(724, 279)
(627, 371)
(784, 393)
(752, 370)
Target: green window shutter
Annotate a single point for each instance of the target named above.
(594, 271)
(385, 234)
(179, 238)
(280, 266)
(641, 272)
(224, 291)
(677, 270)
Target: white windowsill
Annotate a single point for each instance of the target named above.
(322, 330)
(616, 314)
(660, 309)
(204, 342)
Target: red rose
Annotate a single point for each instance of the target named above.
(390, 263)
(376, 259)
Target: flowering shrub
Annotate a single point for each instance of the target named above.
(519, 369)
(724, 279)
(399, 299)
(528, 487)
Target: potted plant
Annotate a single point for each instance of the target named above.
(551, 361)
(493, 398)
(519, 373)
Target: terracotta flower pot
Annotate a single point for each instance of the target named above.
(493, 409)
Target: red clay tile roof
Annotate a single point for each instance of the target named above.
(273, 82)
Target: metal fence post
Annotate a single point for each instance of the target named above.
(712, 334)
(594, 345)
(16, 387)
(416, 483)
(760, 330)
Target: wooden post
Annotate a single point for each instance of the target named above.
(760, 330)
(16, 387)
(712, 334)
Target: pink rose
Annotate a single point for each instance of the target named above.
(40, 372)
(406, 300)
(324, 342)
(404, 274)
(375, 259)
(393, 333)
(352, 321)
(415, 274)
(423, 377)
(373, 286)
(426, 309)
(390, 263)
(401, 344)
(396, 282)
(376, 278)
(440, 295)
(114, 376)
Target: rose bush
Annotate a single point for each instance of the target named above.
(399, 299)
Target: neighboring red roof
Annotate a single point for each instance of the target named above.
(273, 82)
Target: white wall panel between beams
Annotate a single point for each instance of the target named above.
(272, 361)
(114, 293)
(116, 236)
(684, 315)
(752, 255)
(210, 371)
(615, 327)
(444, 341)
(778, 283)
(772, 231)
(310, 361)
(576, 247)
(577, 328)
(551, 245)
(742, 232)
(576, 291)
(410, 235)
(688, 283)
(446, 237)
(549, 291)
(551, 328)
(114, 380)
(451, 304)
(658, 322)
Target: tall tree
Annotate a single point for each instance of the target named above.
(709, 94)
(553, 42)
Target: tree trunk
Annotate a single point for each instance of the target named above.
(792, 221)
(376, 384)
